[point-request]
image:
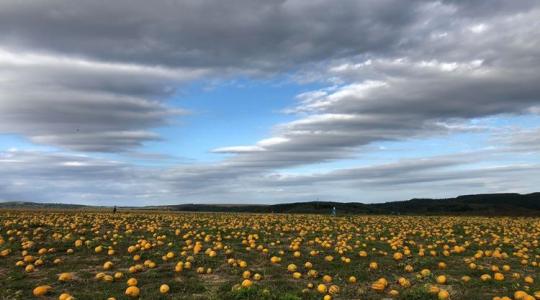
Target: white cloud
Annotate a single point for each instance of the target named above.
(238, 149)
(478, 28)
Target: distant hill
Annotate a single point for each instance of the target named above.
(482, 204)
(36, 205)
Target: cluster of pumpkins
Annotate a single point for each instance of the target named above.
(388, 250)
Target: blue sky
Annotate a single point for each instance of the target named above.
(229, 113)
(267, 102)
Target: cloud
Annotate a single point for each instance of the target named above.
(426, 93)
(89, 77)
(105, 70)
(63, 177)
(392, 99)
(50, 177)
(85, 105)
(241, 34)
(518, 140)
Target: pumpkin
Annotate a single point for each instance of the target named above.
(41, 290)
(378, 286)
(433, 289)
(132, 291)
(404, 282)
(107, 265)
(443, 295)
(132, 281)
(247, 283)
(441, 279)
(520, 295)
(164, 289)
(65, 296)
(65, 277)
(333, 289)
(291, 268)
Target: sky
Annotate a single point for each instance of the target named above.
(166, 102)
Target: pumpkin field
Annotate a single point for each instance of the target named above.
(169, 255)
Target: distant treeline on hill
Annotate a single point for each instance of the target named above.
(483, 204)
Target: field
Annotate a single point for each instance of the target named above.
(95, 255)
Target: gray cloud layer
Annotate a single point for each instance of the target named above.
(267, 35)
(94, 76)
(64, 177)
(426, 93)
(84, 105)
(104, 66)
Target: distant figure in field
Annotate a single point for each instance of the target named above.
(334, 211)
(114, 209)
